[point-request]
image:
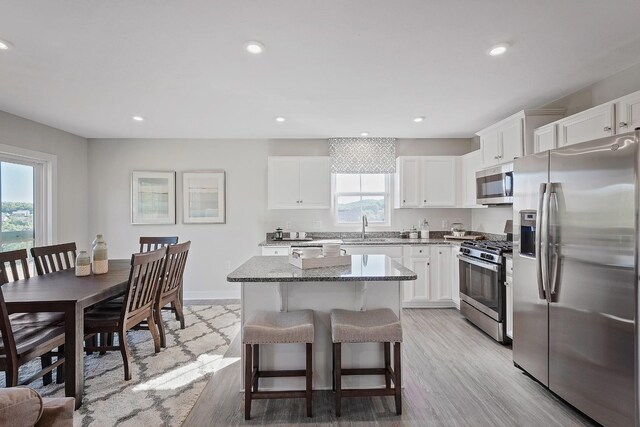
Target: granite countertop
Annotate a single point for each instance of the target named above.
(366, 242)
(363, 268)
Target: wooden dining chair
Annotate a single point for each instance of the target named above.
(170, 284)
(137, 307)
(49, 259)
(26, 336)
(152, 243)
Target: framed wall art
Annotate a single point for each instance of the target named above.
(153, 197)
(204, 197)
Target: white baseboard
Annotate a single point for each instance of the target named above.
(210, 295)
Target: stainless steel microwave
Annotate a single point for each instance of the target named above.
(494, 186)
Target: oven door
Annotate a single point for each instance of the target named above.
(495, 186)
(481, 286)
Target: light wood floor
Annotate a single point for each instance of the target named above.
(453, 374)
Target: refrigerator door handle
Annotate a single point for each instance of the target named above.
(554, 243)
(539, 228)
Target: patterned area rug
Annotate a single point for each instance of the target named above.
(165, 386)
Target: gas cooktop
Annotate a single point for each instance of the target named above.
(497, 247)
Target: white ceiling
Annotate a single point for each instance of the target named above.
(331, 67)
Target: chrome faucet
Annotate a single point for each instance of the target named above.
(365, 223)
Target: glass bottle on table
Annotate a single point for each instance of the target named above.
(100, 258)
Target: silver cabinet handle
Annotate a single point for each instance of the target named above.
(300, 201)
(425, 201)
(623, 124)
(607, 128)
(404, 201)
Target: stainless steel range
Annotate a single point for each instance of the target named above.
(482, 291)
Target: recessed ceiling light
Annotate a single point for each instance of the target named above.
(280, 119)
(364, 133)
(498, 49)
(254, 47)
(418, 119)
(4, 45)
(138, 118)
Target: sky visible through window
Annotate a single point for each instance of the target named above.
(360, 194)
(16, 197)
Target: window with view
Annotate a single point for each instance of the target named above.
(17, 202)
(361, 194)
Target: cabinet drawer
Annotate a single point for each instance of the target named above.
(276, 250)
(419, 251)
(390, 251)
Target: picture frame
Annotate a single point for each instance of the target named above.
(153, 197)
(204, 197)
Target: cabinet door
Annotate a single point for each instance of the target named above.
(440, 273)
(409, 175)
(470, 165)
(276, 250)
(283, 182)
(490, 147)
(544, 138)
(628, 113)
(315, 182)
(511, 141)
(438, 182)
(590, 124)
(455, 275)
(417, 289)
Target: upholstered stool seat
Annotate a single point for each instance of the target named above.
(371, 326)
(295, 327)
(380, 325)
(279, 328)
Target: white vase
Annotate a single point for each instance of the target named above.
(100, 258)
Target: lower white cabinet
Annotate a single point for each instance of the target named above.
(276, 250)
(455, 275)
(509, 296)
(435, 285)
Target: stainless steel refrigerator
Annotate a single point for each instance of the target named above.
(575, 225)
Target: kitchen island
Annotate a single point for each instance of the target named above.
(270, 283)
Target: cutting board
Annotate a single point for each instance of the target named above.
(464, 237)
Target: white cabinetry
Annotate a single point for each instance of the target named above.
(509, 295)
(590, 124)
(628, 113)
(545, 138)
(470, 164)
(434, 287)
(299, 182)
(455, 275)
(512, 137)
(440, 283)
(276, 250)
(425, 182)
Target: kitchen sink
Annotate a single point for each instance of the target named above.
(371, 240)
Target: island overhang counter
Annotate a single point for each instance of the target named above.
(270, 283)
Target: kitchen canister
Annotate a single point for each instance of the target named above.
(83, 264)
(100, 259)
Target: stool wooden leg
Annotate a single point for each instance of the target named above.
(256, 366)
(248, 371)
(333, 367)
(338, 362)
(387, 365)
(309, 376)
(397, 370)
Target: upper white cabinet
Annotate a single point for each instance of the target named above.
(590, 124)
(470, 164)
(299, 182)
(628, 113)
(545, 138)
(425, 182)
(512, 137)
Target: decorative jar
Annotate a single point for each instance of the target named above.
(83, 264)
(100, 258)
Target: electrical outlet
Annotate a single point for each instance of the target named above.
(227, 266)
(287, 225)
(445, 224)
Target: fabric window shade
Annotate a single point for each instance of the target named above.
(362, 155)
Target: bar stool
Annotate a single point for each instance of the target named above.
(380, 325)
(276, 328)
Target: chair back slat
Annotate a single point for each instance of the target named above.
(8, 347)
(154, 243)
(49, 259)
(174, 264)
(146, 269)
(14, 262)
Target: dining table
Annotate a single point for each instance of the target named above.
(67, 293)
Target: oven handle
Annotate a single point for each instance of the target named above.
(487, 265)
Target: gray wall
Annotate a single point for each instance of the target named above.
(72, 177)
